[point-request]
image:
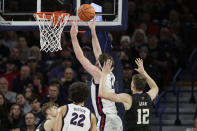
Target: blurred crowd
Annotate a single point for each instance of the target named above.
(161, 32)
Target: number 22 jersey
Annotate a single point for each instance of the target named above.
(77, 118)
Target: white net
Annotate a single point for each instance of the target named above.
(51, 27)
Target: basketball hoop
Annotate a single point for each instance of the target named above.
(51, 25)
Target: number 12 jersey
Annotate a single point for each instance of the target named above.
(137, 117)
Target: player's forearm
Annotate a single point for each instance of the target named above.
(102, 88)
(95, 44)
(76, 47)
(150, 81)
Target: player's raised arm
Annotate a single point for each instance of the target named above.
(93, 70)
(95, 43)
(103, 93)
(154, 88)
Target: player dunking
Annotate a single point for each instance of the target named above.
(105, 110)
(76, 117)
(139, 103)
(50, 111)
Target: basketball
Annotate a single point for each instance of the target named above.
(86, 12)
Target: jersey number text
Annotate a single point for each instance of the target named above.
(79, 122)
(142, 116)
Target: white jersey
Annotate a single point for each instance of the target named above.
(77, 118)
(102, 107)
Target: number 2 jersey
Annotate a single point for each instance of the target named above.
(77, 118)
(137, 117)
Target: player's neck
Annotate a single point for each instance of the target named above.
(137, 92)
(80, 104)
(50, 117)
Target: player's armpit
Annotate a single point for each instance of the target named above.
(126, 100)
(93, 122)
(153, 92)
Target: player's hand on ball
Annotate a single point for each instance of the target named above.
(92, 24)
(140, 65)
(74, 30)
(107, 67)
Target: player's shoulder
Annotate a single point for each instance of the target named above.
(147, 95)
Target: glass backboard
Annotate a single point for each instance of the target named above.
(18, 14)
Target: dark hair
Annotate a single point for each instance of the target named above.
(47, 106)
(55, 82)
(18, 94)
(33, 98)
(104, 57)
(38, 75)
(78, 92)
(139, 81)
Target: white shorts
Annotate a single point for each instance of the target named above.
(110, 122)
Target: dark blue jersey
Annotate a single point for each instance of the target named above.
(138, 116)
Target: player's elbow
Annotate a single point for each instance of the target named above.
(102, 95)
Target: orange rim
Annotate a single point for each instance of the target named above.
(55, 20)
(49, 14)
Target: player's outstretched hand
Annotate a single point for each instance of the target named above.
(140, 65)
(74, 30)
(107, 67)
(92, 24)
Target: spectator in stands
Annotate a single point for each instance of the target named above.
(68, 76)
(15, 117)
(28, 92)
(36, 110)
(24, 50)
(117, 50)
(35, 52)
(21, 100)
(156, 52)
(22, 80)
(174, 20)
(11, 39)
(125, 45)
(83, 75)
(9, 95)
(39, 86)
(58, 71)
(29, 122)
(138, 39)
(10, 67)
(33, 64)
(53, 95)
(66, 81)
(4, 123)
(10, 72)
(14, 55)
(4, 50)
(127, 75)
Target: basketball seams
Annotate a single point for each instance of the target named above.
(85, 15)
(86, 12)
